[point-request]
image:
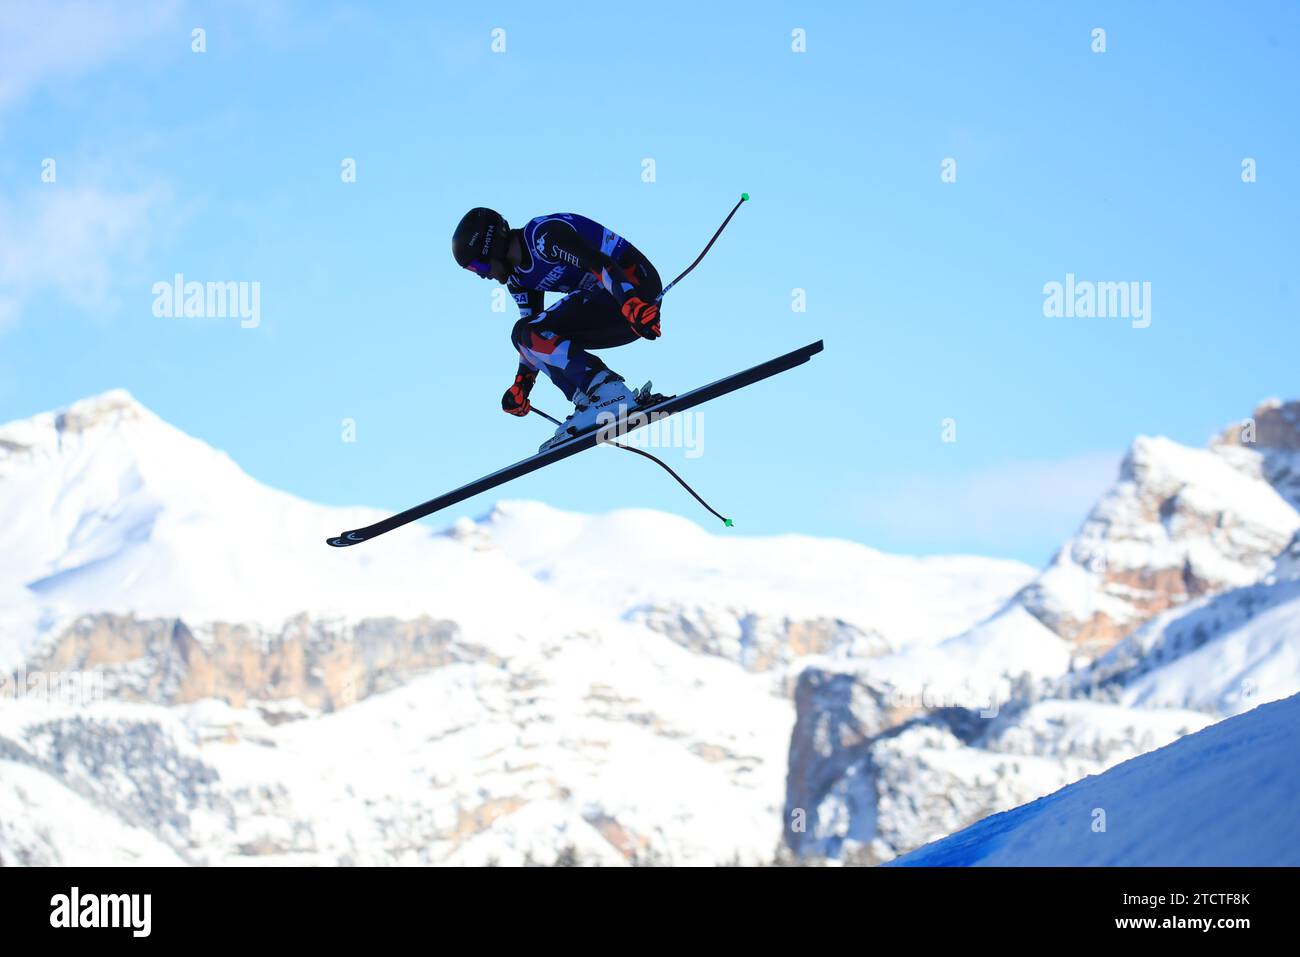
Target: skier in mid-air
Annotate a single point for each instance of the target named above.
(611, 292)
(611, 297)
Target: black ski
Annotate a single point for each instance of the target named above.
(669, 406)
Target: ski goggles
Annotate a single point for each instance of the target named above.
(479, 266)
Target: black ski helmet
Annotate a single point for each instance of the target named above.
(479, 238)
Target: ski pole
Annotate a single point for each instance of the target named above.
(680, 481)
(686, 272)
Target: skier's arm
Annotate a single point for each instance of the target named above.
(593, 261)
(641, 315)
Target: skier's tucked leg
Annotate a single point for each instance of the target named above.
(557, 342)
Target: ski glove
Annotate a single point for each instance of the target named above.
(644, 317)
(515, 401)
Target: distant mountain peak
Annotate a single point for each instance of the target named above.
(1179, 522)
(107, 408)
(1276, 426)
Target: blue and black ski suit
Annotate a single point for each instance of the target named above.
(598, 270)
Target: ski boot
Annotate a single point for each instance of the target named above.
(607, 394)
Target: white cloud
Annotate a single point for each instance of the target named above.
(80, 243)
(77, 242)
(1012, 506)
(50, 41)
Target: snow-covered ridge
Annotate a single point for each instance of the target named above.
(793, 577)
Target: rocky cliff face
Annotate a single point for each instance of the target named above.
(836, 717)
(1273, 433)
(759, 642)
(321, 665)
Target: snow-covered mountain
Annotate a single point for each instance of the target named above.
(1179, 523)
(498, 690)
(446, 695)
(1182, 581)
(1178, 526)
(104, 507)
(1223, 797)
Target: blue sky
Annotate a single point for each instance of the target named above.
(225, 166)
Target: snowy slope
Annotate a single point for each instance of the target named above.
(43, 823)
(978, 666)
(1224, 796)
(908, 600)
